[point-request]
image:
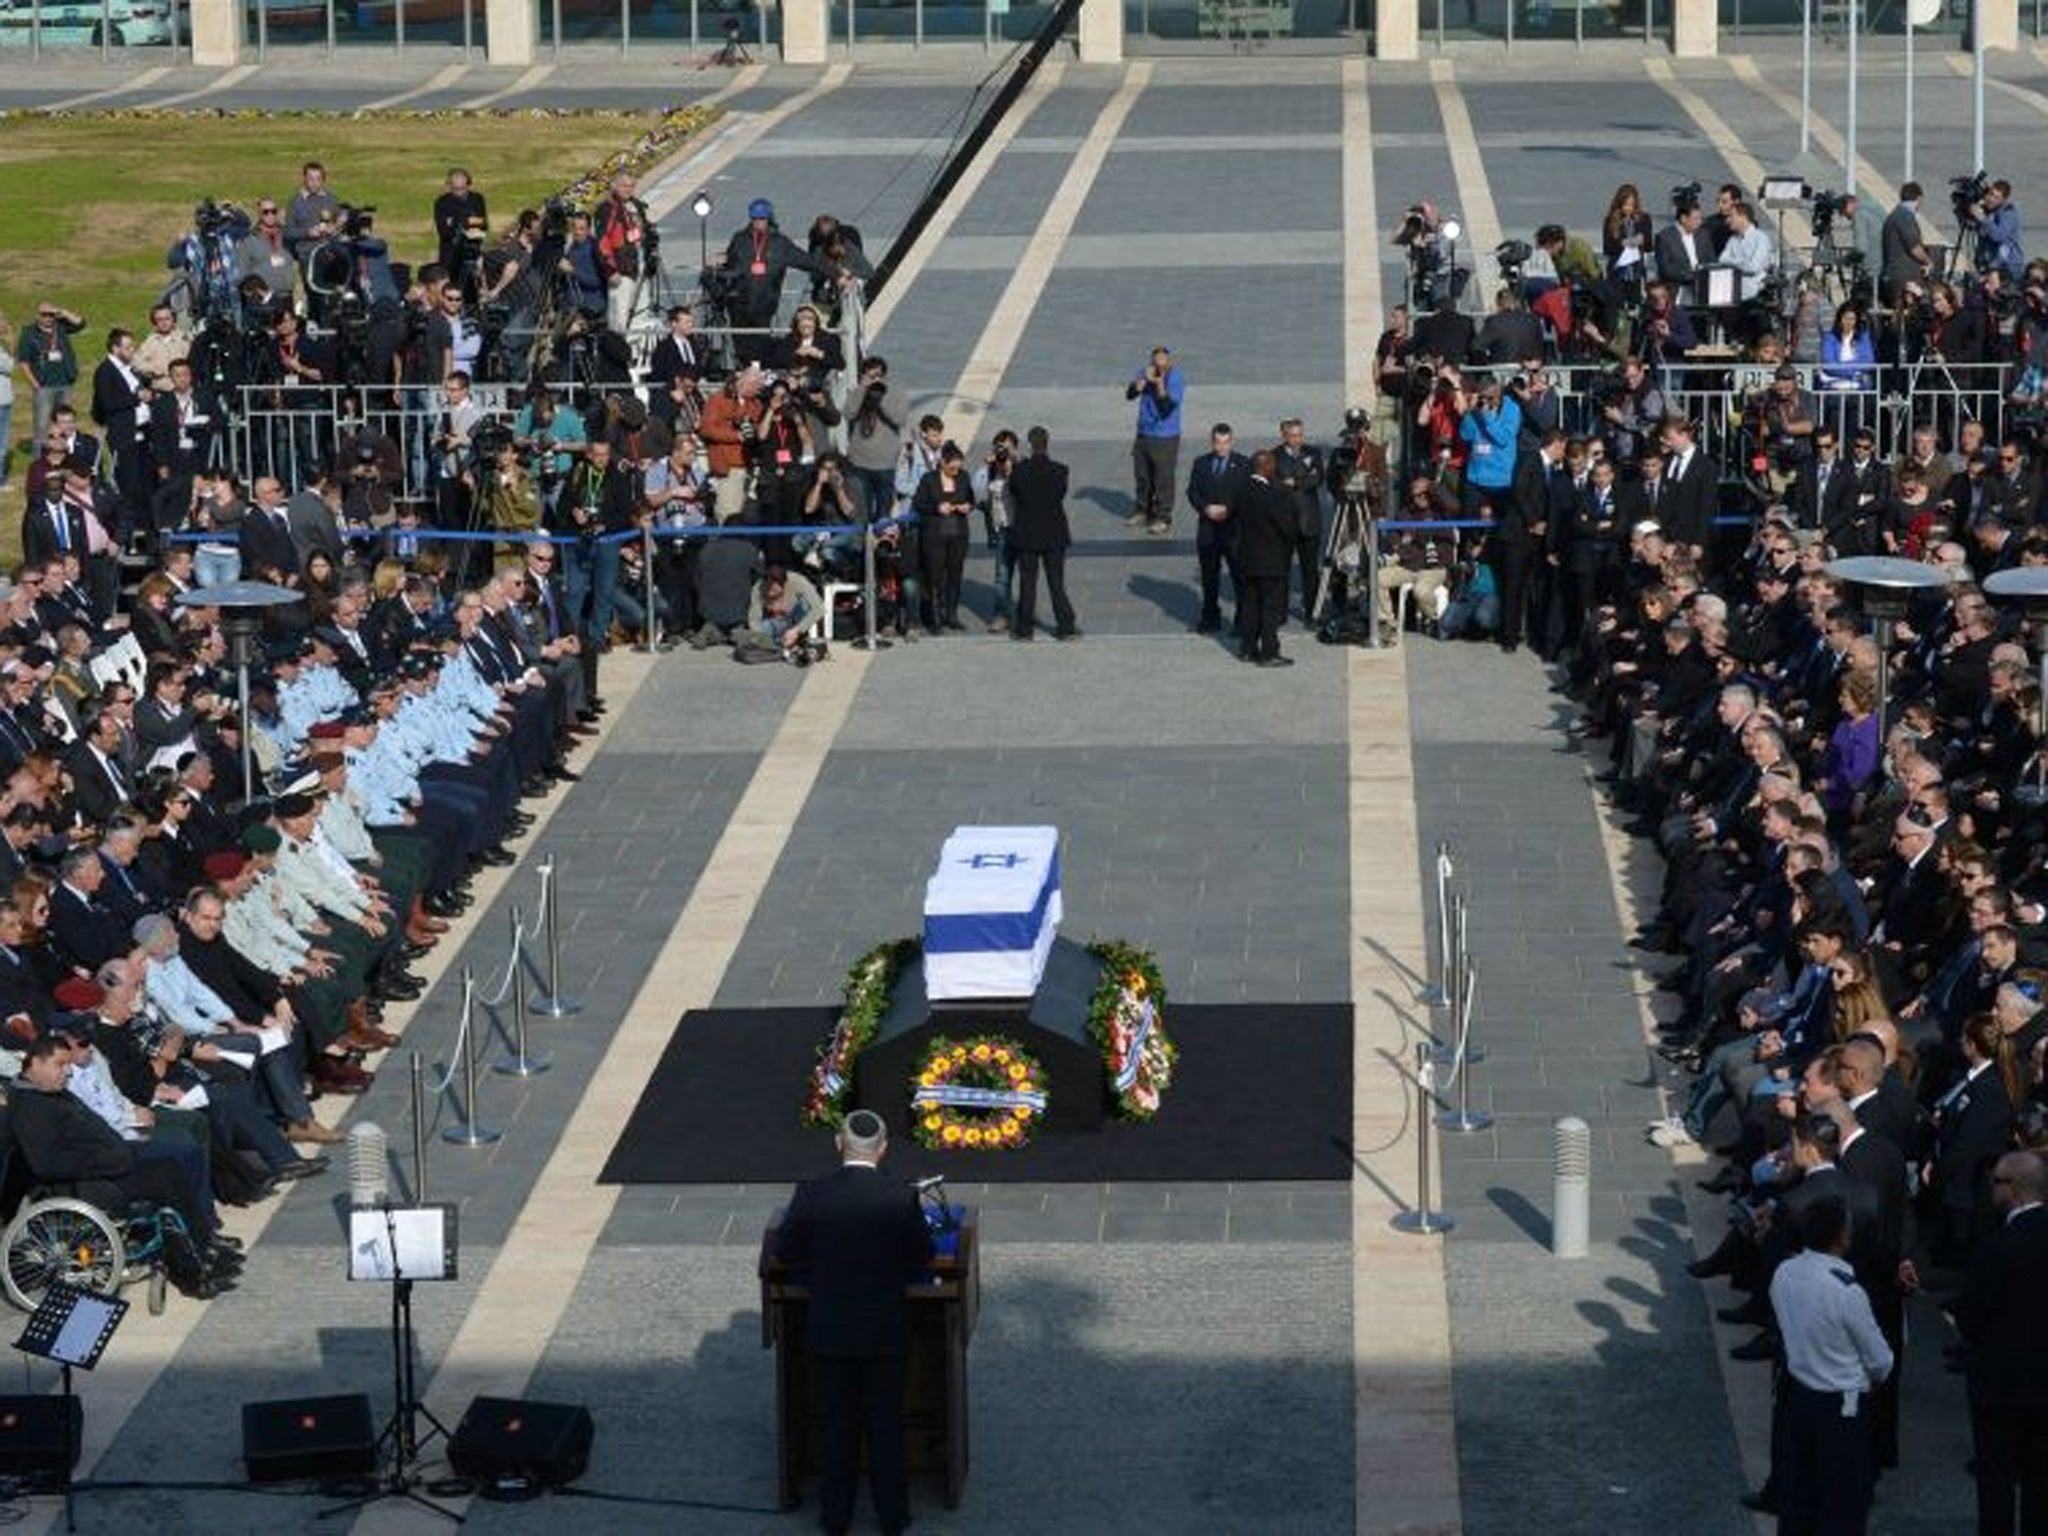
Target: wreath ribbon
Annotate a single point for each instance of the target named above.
(1134, 1057)
(959, 1096)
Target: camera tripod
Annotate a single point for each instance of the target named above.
(1351, 550)
(734, 54)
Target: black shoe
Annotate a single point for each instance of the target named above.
(1720, 1262)
(1066, 634)
(563, 775)
(1763, 1347)
(1207, 625)
(1020, 635)
(300, 1168)
(1760, 1502)
(1509, 647)
(953, 622)
(1726, 1182)
(396, 991)
(222, 1240)
(439, 906)
(1679, 1055)
(497, 856)
(532, 788)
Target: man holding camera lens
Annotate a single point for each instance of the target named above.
(1156, 452)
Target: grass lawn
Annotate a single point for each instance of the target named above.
(89, 206)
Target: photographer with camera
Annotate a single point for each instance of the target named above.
(731, 425)
(583, 289)
(459, 218)
(1158, 390)
(626, 247)
(1996, 218)
(991, 482)
(873, 433)
(757, 259)
(315, 213)
(1633, 408)
(265, 253)
(506, 494)
(1419, 234)
(452, 460)
(597, 498)
(677, 494)
(552, 436)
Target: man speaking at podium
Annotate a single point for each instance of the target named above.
(862, 1237)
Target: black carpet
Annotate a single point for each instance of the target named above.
(1259, 1093)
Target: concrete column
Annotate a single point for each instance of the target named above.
(806, 31)
(1696, 28)
(217, 33)
(1102, 32)
(513, 27)
(1397, 29)
(2001, 24)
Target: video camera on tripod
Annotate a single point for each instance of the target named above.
(1511, 256)
(1965, 193)
(1685, 198)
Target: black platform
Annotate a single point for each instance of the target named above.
(1261, 1092)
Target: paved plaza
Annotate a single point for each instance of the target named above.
(1171, 1358)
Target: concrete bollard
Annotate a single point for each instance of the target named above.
(1572, 1188)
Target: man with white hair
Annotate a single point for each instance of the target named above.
(863, 1239)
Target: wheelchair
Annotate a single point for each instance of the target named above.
(57, 1237)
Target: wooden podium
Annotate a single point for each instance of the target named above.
(942, 1312)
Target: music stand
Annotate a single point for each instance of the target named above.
(71, 1327)
(401, 1244)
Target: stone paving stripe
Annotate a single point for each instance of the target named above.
(729, 143)
(438, 82)
(1005, 329)
(526, 82)
(941, 226)
(1407, 1455)
(1825, 135)
(226, 80)
(1749, 170)
(523, 1298)
(72, 103)
(1361, 245)
(1475, 196)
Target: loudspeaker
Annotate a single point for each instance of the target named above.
(302, 1437)
(39, 1438)
(510, 1446)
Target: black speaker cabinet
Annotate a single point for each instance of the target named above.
(304, 1437)
(39, 1438)
(510, 1444)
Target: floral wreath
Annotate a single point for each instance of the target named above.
(868, 986)
(976, 1094)
(1127, 1018)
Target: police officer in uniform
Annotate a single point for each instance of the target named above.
(1834, 1356)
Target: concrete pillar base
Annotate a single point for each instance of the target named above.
(217, 33)
(806, 31)
(1695, 29)
(1102, 32)
(2001, 24)
(512, 27)
(1397, 29)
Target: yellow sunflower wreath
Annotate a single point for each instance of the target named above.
(976, 1095)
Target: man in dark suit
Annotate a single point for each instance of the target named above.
(268, 552)
(1683, 248)
(1298, 470)
(1808, 494)
(863, 1239)
(100, 785)
(1268, 529)
(1852, 509)
(181, 421)
(56, 524)
(2014, 493)
(2006, 1329)
(120, 405)
(678, 352)
(1039, 535)
(1214, 483)
(1688, 496)
(85, 929)
(1521, 521)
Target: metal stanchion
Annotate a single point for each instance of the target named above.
(520, 1063)
(1434, 994)
(1571, 1188)
(646, 589)
(1445, 1052)
(1420, 1220)
(467, 1132)
(1464, 1119)
(554, 1005)
(419, 1132)
(869, 640)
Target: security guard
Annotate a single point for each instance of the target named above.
(1834, 1356)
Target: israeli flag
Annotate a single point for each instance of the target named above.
(991, 912)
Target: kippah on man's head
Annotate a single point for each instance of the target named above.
(864, 1131)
